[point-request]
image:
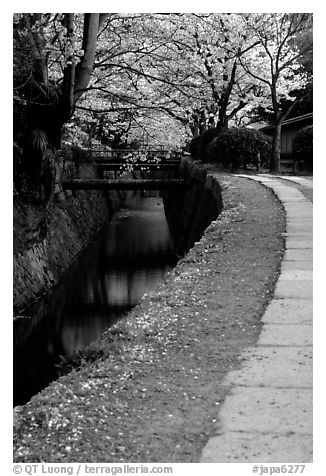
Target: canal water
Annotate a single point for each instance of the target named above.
(131, 255)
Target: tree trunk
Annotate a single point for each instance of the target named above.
(68, 83)
(55, 105)
(276, 149)
(84, 69)
(223, 124)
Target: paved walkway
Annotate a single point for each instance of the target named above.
(267, 414)
(299, 180)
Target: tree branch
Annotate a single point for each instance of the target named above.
(240, 106)
(68, 83)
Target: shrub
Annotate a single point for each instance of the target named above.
(302, 147)
(239, 147)
(204, 140)
(194, 147)
(198, 145)
(34, 171)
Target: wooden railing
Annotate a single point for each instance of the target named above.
(115, 160)
(106, 154)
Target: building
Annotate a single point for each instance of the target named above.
(289, 129)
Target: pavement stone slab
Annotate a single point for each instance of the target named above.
(299, 180)
(307, 204)
(261, 409)
(293, 288)
(296, 274)
(274, 366)
(305, 207)
(292, 229)
(288, 192)
(307, 235)
(298, 255)
(253, 447)
(298, 243)
(257, 178)
(285, 196)
(303, 221)
(295, 228)
(299, 219)
(292, 213)
(291, 201)
(295, 264)
(296, 219)
(286, 334)
(289, 311)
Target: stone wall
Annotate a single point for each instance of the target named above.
(189, 212)
(46, 242)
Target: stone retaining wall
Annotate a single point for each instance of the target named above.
(52, 240)
(189, 212)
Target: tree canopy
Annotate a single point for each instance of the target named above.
(155, 78)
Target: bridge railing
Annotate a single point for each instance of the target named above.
(121, 155)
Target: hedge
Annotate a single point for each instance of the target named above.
(302, 147)
(239, 147)
(198, 146)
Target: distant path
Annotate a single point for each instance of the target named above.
(303, 184)
(300, 180)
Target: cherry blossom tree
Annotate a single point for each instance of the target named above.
(183, 65)
(206, 50)
(124, 86)
(275, 63)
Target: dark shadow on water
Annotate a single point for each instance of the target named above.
(132, 254)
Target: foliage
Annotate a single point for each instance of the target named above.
(275, 61)
(304, 102)
(194, 147)
(22, 185)
(154, 79)
(302, 147)
(238, 147)
(34, 169)
(205, 138)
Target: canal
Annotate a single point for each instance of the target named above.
(131, 255)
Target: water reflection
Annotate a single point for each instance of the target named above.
(132, 254)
